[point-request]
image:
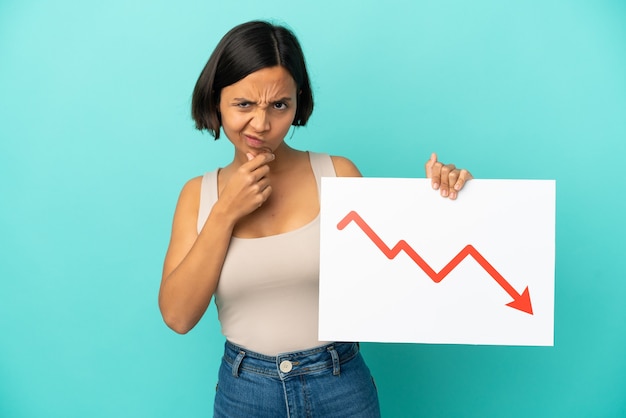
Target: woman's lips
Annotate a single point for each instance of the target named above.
(257, 144)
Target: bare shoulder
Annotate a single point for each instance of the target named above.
(191, 189)
(189, 198)
(344, 167)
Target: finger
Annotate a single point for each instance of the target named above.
(445, 179)
(257, 162)
(436, 176)
(453, 176)
(443, 189)
(259, 193)
(260, 159)
(266, 192)
(260, 172)
(452, 182)
(464, 176)
(262, 184)
(429, 165)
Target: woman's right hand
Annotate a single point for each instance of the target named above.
(248, 187)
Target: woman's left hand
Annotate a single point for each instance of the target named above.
(446, 178)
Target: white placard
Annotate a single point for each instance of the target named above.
(399, 263)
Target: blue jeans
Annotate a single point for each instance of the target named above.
(330, 381)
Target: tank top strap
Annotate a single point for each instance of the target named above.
(322, 166)
(208, 197)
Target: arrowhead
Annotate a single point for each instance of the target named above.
(522, 302)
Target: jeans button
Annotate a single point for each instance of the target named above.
(285, 366)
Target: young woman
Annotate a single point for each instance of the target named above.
(248, 235)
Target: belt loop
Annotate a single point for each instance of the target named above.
(237, 363)
(335, 357)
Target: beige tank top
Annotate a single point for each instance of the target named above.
(267, 297)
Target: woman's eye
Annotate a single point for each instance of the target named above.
(243, 105)
(280, 105)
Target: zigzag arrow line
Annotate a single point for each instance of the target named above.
(520, 301)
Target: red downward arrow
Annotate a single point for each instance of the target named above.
(520, 301)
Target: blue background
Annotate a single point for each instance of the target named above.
(96, 141)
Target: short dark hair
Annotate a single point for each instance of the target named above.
(247, 48)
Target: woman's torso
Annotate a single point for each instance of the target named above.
(267, 295)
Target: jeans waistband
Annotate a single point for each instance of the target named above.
(285, 365)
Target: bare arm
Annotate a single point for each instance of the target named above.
(193, 261)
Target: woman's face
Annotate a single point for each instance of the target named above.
(257, 111)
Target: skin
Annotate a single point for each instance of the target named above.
(269, 188)
(446, 178)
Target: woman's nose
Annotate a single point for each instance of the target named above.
(260, 120)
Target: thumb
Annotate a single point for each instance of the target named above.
(250, 156)
(429, 164)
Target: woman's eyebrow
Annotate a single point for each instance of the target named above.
(283, 99)
(243, 99)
